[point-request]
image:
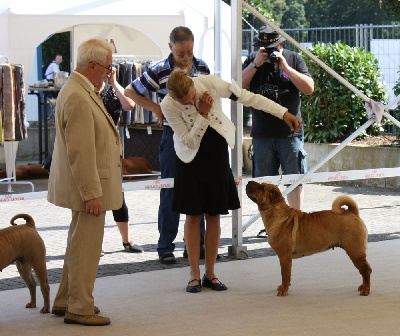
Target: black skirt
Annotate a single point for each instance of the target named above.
(206, 185)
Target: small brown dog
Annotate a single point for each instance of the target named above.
(22, 244)
(135, 165)
(130, 166)
(294, 234)
(29, 172)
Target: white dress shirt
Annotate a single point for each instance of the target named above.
(189, 126)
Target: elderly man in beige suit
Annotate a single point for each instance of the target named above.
(86, 178)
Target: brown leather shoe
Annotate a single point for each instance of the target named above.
(87, 320)
(60, 311)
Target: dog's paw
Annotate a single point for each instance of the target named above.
(281, 291)
(30, 305)
(45, 310)
(364, 291)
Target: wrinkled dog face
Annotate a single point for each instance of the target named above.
(261, 193)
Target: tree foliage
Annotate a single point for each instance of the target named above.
(333, 112)
(391, 7)
(295, 16)
(323, 13)
(272, 10)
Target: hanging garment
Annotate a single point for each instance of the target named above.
(8, 103)
(14, 125)
(1, 107)
(21, 132)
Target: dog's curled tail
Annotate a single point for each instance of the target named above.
(29, 220)
(339, 202)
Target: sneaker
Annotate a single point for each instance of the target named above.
(87, 320)
(167, 258)
(132, 248)
(262, 234)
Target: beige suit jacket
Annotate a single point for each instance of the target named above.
(86, 160)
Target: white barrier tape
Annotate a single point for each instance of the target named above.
(347, 175)
(23, 197)
(148, 185)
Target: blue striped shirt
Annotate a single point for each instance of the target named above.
(154, 79)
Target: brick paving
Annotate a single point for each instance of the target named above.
(380, 209)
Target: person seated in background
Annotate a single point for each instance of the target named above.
(53, 68)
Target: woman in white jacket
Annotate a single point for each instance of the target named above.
(203, 182)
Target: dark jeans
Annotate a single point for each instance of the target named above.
(168, 220)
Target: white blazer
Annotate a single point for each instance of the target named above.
(189, 126)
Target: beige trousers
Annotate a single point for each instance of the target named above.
(81, 261)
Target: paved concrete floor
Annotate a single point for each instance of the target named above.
(380, 209)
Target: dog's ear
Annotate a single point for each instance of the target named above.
(272, 193)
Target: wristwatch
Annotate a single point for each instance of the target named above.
(253, 64)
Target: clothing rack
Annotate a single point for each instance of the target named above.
(4, 59)
(10, 154)
(137, 60)
(133, 58)
(120, 58)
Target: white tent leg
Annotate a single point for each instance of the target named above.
(237, 249)
(10, 153)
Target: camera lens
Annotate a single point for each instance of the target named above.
(272, 58)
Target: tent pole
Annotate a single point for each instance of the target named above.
(237, 249)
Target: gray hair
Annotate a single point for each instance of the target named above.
(93, 50)
(181, 34)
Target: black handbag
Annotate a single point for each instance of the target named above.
(111, 103)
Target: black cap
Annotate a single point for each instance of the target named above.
(268, 38)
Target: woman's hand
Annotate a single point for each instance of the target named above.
(112, 77)
(205, 104)
(293, 122)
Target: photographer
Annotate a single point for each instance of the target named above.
(280, 75)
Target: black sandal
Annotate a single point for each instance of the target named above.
(262, 234)
(132, 248)
(218, 286)
(194, 289)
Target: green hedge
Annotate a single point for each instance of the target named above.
(333, 112)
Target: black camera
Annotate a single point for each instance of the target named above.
(271, 56)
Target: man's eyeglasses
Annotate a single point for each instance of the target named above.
(182, 54)
(109, 68)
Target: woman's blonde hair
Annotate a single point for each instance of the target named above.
(179, 84)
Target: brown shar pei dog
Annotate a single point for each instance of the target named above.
(22, 244)
(294, 234)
